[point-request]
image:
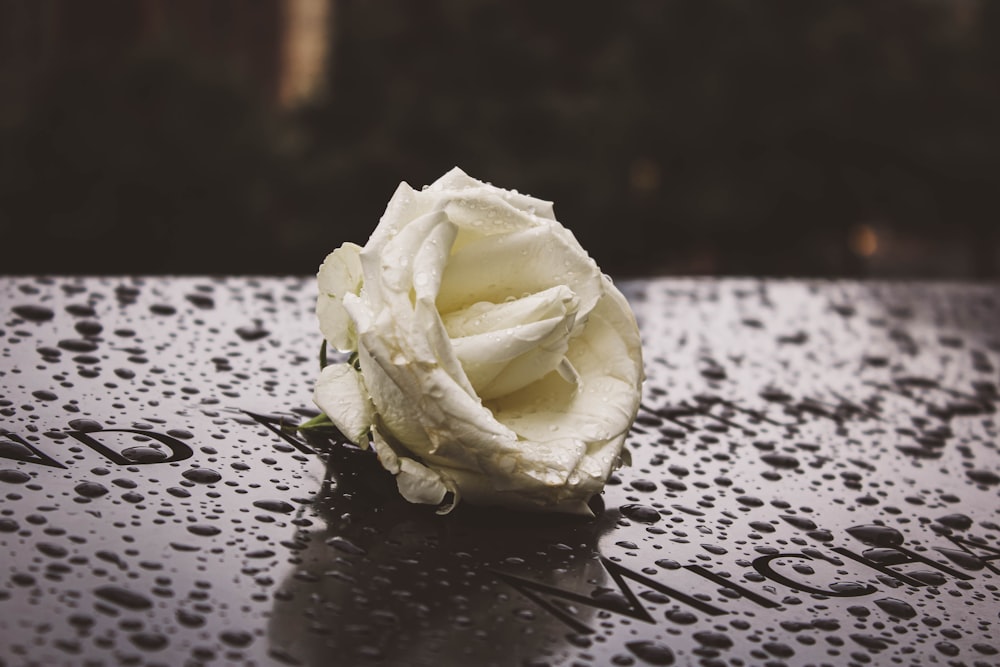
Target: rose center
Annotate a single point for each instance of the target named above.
(506, 346)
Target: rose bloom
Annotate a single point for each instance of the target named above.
(494, 361)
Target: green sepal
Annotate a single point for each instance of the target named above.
(319, 421)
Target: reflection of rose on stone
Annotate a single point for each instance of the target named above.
(493, 359)
(378, 581)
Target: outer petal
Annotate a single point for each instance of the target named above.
(341, 394)
(339, 275)
(417, 483)
(458, 182)
(479, 489)
(487, 214)
(386, 453)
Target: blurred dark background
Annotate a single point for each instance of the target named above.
(716, 137)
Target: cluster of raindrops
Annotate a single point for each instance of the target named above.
(814, 480)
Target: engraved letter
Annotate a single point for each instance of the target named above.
(763, 566)
(725, 583)
(532, 589)
(178, 450)
(16, 452)
(963, 544)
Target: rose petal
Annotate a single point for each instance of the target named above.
(503, 347)
(409, 272)
(386, 453)
(486, 214)
(405, 206)
(389, 393)
(424, 406)
(506, 344)
(417, 483)
(499, 363)
(395, 259)
(453, 179)
(486, 316)
(527, 369)
(341, 394)
(606, 356)
(524, 262)
(339, 275)
(457, 182)
(420, 484)
(568, 372)
(429, 260)
(479, 489)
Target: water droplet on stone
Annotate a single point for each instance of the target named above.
(252, 333)
(896, 607)
(345, 545)
(14, 476)
(956, 521)
(641, 513)
(279, 506)
(201, 475)
(143, 454)
(878, 536)
(33, 313)
(236, 638)
(986, 477)
(651, 652)
(123, 597)
(90, 489)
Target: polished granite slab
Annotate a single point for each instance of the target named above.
(814, 482)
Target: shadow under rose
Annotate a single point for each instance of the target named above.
(380, 580)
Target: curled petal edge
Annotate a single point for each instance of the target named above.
(339, 275)
(341, 394)
(416, 482)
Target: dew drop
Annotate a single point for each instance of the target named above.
(651, 652)
(149, 641)
(33, 313)
(956, 521)
(252, 333)
(896, 607)
(90, 489)
(986, 477)
(236, 638)
(143, 454)
(641, 513)
(123, 597)
(201, 475)
(879, 536)
(14, 476)
(345, 545)
(279, 506)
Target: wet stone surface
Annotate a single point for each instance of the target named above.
(815, 480)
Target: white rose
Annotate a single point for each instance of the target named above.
(496, 361)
